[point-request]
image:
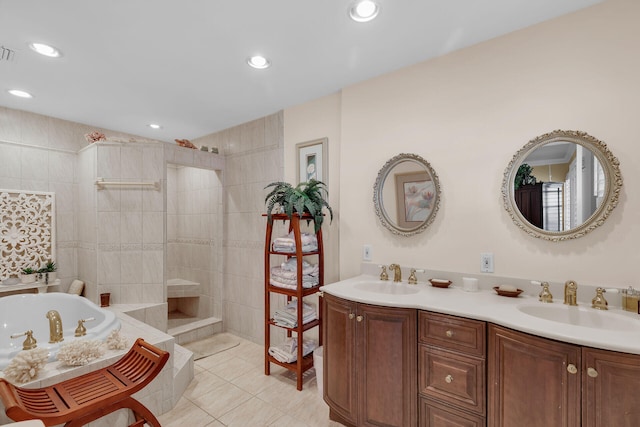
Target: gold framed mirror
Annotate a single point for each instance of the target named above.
(406, 194)
(561, 185)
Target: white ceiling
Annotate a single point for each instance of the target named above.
(181, 63)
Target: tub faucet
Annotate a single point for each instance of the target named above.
(55, 327)
(397, 273)
(571, 293)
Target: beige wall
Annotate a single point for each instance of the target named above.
(551, 173)
(467, 113)
(315, 120)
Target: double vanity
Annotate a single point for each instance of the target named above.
(403, 355)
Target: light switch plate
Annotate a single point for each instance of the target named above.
(367, 253)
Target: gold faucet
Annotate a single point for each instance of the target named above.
(383, 274)
(29, 343)
(598, 302)
(571, 292)
(397, 273)
(55, 327)
(545, 295)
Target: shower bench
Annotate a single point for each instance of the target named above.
(78, 401)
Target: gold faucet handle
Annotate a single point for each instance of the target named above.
(413, 280)
(545, 294)
(29, 343)
(81, 330)
(383, 274)
(599, 302)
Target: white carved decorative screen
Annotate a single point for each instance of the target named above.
(27, 231)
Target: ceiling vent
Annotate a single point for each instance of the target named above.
(7, 54)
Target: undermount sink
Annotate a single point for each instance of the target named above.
(580, 316)
(389, 288)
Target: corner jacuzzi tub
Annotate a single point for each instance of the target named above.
(20, 313)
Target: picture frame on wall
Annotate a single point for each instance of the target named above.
(415, 196)
(312, 160)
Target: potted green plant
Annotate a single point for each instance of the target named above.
(49, 272)
(306, 197)
(523, 176)
(28, 275)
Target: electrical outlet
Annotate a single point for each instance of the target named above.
(486, 262)
(367, 253)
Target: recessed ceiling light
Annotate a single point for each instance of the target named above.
(364, 11)
(45, 49)
(20, 93)
(154, 126)
(259, 61)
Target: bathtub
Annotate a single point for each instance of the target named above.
(19, 313)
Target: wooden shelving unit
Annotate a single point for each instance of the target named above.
(303, 363)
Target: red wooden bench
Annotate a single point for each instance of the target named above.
(86, 398)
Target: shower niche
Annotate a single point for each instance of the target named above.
(193, 255)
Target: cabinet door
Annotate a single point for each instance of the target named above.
(339, 386)
(386, 355)
(611, 385)
(529, 381)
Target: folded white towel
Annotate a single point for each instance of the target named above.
(287, 352)
(291, 284)
(288, 315)
(292, 265)
(288, 244)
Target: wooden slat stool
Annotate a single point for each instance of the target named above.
(86, 398)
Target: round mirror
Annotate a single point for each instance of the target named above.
(406, 194)
(561, 185)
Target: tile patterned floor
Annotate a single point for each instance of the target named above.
(230, 389)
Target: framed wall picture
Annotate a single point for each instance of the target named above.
(312, 160)
(415, 195)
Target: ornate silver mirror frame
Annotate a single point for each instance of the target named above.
(609, 199)
(406, 194)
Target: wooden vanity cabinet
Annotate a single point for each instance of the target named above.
(533, 381)
(369, 363)
(451, 371)
(610, 388)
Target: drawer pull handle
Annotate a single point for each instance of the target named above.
(448, 379)
(572, 368)
(449, 333)
(592, 372)
(351, 316)
(359, 318)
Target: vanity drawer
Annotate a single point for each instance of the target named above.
(454, 333)
(452, 378)
(434, 414)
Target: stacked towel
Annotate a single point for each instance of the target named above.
(287, 352)
(286, 275)
(288, 243)
(288, 316)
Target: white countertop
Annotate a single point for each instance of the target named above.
(488, 306)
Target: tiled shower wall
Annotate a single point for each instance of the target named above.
(194, 234)
(123, 225)
(254, 158)
(39, 153)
